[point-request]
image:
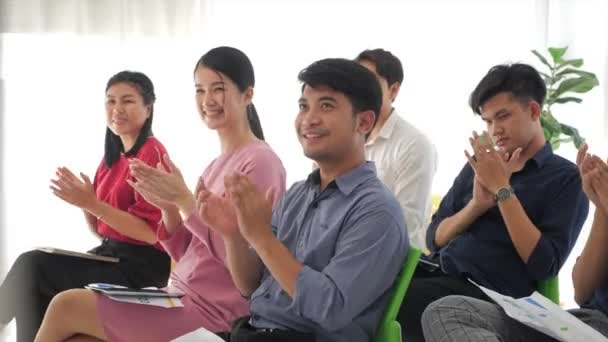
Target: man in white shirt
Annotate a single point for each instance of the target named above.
(406, 159)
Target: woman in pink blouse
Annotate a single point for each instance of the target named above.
(224, 81)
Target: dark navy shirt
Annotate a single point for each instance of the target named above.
(352, 240)
(550, 191)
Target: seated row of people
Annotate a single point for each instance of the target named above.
(309, 264)
(127, 221)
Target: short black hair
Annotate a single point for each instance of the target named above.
(145, 87)
(521, 80)
(388, 66)
(358, 84)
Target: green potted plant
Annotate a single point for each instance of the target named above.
(563, 78)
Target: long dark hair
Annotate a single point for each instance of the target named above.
(113, 144)
(237, 66)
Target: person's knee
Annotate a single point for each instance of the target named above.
(66, 302)
(29, 259)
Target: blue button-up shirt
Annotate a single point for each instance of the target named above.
(549, 189)
(352, 240)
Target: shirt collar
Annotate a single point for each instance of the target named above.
(387, 129)
(541, 157)
(347, 182)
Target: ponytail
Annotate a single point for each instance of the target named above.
(254, 122)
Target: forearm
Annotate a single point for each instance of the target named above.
(524, 234)
(186, 205)
(244, 265)
(456, 224)
(91, 223)
(279, 261)
(171, 219)
(123, 222)
(591, 268)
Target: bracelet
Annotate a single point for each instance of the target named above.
(99, 216)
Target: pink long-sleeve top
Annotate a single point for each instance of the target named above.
(200, 271)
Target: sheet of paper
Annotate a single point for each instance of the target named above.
(165, 302)
(541, 314)
(199, 335)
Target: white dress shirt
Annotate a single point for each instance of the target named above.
(406, 161)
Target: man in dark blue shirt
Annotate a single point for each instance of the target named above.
(515, 210)
(464, 319)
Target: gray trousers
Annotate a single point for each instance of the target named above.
(460, 318)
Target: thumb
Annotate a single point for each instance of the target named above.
(270, 196)
(86, 179)
(516, 154)
(169, 164)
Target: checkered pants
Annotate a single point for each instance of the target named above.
(464, 319)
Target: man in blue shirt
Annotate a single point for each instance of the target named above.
(513, 213)
(458, 318)
(321, 265)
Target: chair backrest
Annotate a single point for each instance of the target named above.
(389, 329)
(550, 289)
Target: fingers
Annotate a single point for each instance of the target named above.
(64, 172)
(59, 193)
(142, 187)
(582, 153)
(514, 157)
(200, 186)
(598, 162)
(203, 196)
(240, 189)
(86, 179)
(67, 178)
(141, 170)
(62, 184)
(171, 167)
(471, 160)
(482, 144)
(270, 195)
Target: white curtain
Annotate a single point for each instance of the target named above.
(107, 17)
(56, 56)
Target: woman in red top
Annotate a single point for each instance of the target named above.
(124, 221)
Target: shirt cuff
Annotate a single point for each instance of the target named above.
(542, 263)
(305, 300)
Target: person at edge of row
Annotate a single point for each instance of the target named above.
(405, 158)
(459, 318)
(224, 81)
(512, 215)
(122, 219)
(331, 249)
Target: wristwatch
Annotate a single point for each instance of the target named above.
(503, 194)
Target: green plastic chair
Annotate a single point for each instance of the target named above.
(550, 289)
(389, 329)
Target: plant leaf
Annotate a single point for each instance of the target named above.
(577, 63)
(577, 85)
(542, 59)
(557, 53)
(567, 99)
(568, 130)
(550, 123)
(570, 71)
